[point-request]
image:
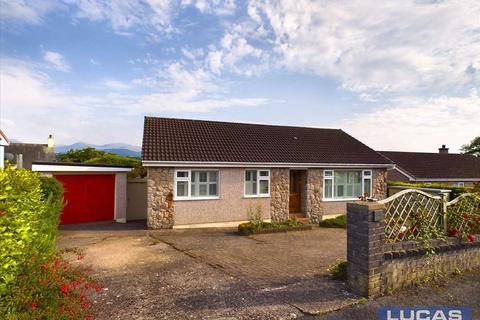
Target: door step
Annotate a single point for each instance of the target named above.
(302, 218)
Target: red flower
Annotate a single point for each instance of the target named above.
(75, 284)
(453, 232)
(80, 257)
(34, 305)
(56, 263)
(71, 311)
(61, 309)
(98, 289)
(401, 235)
(84, 305)
(471, 238)
(64, 289)
(466, 216)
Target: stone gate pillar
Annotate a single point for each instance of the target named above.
(365, 240)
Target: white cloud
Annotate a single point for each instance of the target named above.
(218, 7)
(382, 46)
(116, 85)
(416, 124)
(29, 11)
(56, 60)
(123, 15)
(236, 54)
(184, 90)
(33, 105)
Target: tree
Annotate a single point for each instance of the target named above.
(80, 155)
(472, 148)
(94, 156)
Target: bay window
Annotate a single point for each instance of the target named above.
(257, 183)
(346, 184)
(196, 184)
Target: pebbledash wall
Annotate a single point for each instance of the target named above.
(375, 267)
(232, 206)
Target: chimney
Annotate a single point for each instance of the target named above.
(51, 141)
(443, 149)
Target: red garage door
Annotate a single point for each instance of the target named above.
(88, 198)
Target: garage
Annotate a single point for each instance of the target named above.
(92, 192)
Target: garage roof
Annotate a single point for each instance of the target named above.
(42, 166)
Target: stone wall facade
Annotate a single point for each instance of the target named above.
(280, 194)
(379, 184)
(160, 209)
(314, 195)
(375, 267)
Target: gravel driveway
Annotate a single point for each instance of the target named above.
(198, 274)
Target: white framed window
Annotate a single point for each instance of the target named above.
(196, 184)
(257, 183)
(367, 183)
(346, 184)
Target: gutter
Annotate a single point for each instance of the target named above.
(219, 164)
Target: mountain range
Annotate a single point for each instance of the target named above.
(121, 149)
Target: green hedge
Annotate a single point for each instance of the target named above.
(337, 222)
(29, 215)
(455, 191)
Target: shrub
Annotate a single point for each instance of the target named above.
(23, 213)
(253, 227)
(455, 191)
(51, 186)
(339, 270)
(337, 222)
(54, 290)
(35, 283)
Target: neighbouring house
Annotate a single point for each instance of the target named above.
(4, 142)
(442, 167)
(208, 173)
(22, 155)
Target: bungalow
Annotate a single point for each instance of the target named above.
(442, 167)
(208, 173)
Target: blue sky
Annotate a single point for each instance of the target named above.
(397, 76)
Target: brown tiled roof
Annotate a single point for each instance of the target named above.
(435, 165)
(211, 141)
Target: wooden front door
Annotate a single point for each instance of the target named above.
(295, 191)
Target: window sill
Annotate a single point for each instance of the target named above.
(256, 196)
(340, 200)
(196, 198)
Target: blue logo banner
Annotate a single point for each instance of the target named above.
(424, 313)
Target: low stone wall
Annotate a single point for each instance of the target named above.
(408, 263)
(376, 267)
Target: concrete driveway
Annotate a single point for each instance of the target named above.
(267, 260)
(205, 274)
(198, 274)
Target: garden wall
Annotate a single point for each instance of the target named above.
(408, 264)
(375, 267)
